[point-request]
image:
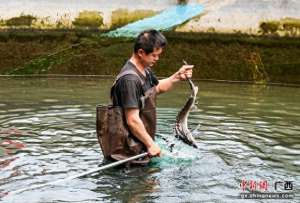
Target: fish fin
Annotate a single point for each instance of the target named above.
(194, 107)
(197, 135)
(196, 129)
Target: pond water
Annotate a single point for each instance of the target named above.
(245, 133)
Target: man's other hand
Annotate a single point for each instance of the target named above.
(154, 150)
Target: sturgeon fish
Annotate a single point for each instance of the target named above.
(181, 127)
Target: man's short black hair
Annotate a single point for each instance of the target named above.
(148, 40)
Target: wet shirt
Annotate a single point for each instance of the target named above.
(128, 90)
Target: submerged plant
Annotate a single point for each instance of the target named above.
(42, 64)
(259, 73)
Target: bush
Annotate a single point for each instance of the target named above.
(88, 19)
(122, 17)
(270, 27)
(21, 21)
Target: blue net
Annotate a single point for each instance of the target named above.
(166, 20)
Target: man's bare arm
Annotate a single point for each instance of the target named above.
(138, 129)
(166, 84)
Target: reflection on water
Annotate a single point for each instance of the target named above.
(48, 132)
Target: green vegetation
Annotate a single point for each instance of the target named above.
(64, 22)
(21, 21)
(89, 20)
(285, 26)
(182, 1)
(122, 17)
(238, 57)
(270, 27)
(44, 63)
(291, 26)
(2, 22)
(85, 20)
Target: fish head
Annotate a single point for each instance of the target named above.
(192, 142)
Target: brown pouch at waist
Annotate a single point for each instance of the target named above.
(113, 135)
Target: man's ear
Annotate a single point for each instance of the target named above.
(141, 52)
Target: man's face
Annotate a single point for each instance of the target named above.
(148, 60)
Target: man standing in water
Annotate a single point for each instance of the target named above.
(135, 92)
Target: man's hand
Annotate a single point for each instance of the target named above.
(164, 85)
(138, 129)
(154, 150)
(185, 72)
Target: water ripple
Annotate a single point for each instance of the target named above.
(45, 138)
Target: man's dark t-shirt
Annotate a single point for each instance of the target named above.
(129, 89)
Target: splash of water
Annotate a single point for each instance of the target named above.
(180, 155)
(166, 20)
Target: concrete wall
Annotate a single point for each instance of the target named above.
(242, 15)
(219, 16)
(55, 10)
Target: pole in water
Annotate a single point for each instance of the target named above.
(81, 174)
